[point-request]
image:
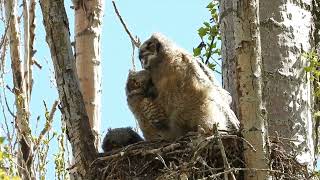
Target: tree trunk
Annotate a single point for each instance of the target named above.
(25, 157)
(88, 21)
(72, 104)
(285, 36)
(285, 29)
(247, 63)
(315, 10)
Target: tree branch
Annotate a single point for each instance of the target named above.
(72, 104)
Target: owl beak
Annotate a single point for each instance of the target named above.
(144, 63)
(142, 58)
(135, 93)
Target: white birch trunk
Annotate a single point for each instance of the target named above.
(88, 26)
(285, 28)
(285, 36)
(247, 64)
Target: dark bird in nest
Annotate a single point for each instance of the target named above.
(119, 137)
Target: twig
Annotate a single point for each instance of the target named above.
(143, 153)
(235, 137)
(223, 154)
(49, 119)
(136, 40)
(7, 105)
(254, 169)
(3, 39)
(36, 63)
(132, 56)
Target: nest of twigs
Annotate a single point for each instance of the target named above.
(191, 157)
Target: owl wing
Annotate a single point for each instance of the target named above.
(222, 110)
(219, 97)
(210, 74)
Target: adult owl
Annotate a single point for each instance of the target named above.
(186, 88)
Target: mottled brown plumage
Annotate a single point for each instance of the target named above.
(142, 101)
(186, 89)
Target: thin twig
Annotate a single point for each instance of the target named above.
(225, 136)
(3, 39)
(254, 169)
(136, 41)
(223, 154)
(132, 56)
(36, 63)
(48, 124)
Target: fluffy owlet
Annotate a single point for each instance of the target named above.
(186, 88)
(119, 137)
(142, 101)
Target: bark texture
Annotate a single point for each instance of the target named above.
(25, 157)
(315, 10)
(88, 26)
(285, 28)
(285, 36)
(247, 60)
(27, 59)
(72, 104)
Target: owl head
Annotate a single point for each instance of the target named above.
(138, 82)
(119, 137)
(156, 49)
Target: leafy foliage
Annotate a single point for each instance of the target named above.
(61, 172)
(209, 50)
(314, 70)
(6, 160)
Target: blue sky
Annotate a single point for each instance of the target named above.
(178, 19)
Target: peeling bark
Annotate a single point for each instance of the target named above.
(72, 104)
(32, 51)
(88, 26)
(25, 157)
(27, 60)
(315, 10)
(246, 79)
(285, 36)
(229, 80)
(285, 31)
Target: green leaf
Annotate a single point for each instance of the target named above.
(212, 66)
(207, 24)
(210, 5)
(2, 140)
(202, 31)
(317, 114)
(308, 69)
(196, 51)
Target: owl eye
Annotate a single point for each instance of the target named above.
(137, 83)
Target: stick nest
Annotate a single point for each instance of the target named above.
(191, 157)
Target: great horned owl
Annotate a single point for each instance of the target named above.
(187, 89)
(119, 137)
(142, 101)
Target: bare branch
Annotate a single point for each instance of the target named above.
(136, 40)
(223, 153)
(48, 125)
